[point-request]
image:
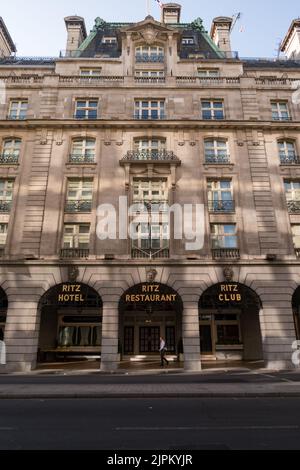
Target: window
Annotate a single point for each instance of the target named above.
(223, 236)
(86, 109)
(292, 191)
(220, 197)
(188, 41)
(149, 74)
(79, 331)
(79, 195)
(89, 73)
(150, 191)
(216, 151)
(11, 150)
(287, 152)
(18, 109)
(149, 147)
(3, 234)
(149, 54)
(208, 73)
(228, 333)
(83, 150)
(149, 109)
(280, 111)
(109, 40)
(6, 195)
(213, 109)
(76, 236)
(152, 236)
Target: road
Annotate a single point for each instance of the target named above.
(150, 424)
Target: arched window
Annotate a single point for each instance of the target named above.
(11, 150)
(83, 150)
(216, 151)
(287, 152)
(147, 53)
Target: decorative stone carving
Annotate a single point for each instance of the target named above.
(228, 274)
(151, 275)
(149, 35)
(73, 273)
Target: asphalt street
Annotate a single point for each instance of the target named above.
(150, 424)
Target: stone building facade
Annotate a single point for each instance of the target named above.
(157, 112)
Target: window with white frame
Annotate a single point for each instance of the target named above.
(3, 234)
(86, 109)
(292, 192)
(216, 151)
(76, 236)
(18, 109)
(94, 72)
(11, 150)
(280, 111)
(208, 73)
(149, 53)
(6, 194)
(149, 74)
(79, 195)
(287, 151)
(149, 109)
(150, 191)
(224, 236)
(188, 41)
(220, 196)
(83, 150)
(149, 147)
(109, 40)
(212, 109)
(152, 236)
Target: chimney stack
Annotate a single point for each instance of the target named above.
(291, 43)
(76, 33)
(220, 34)
(170, 13)
(7, 46)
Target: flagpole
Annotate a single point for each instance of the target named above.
(148, 7)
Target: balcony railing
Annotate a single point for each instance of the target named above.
(150, 155)
(293, 207)
(151, 80)
(225, 253)
(217, 159)
(73, 253)
(150, 58)
(290, 160)
(150, 254)
(6, 159)
(90, 80)
(78, 206)
(5, 206)
(221, 206)
(151, 206)
(281, 118)
(207, 81)
(77, 159)
(13, 117)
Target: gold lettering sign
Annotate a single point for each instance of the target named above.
(71, 293)
(150, 293)
(229, 293)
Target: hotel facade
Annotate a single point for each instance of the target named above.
(157, 113)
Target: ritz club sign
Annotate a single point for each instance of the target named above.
(229, 293)
(71, 293)
(150, 293)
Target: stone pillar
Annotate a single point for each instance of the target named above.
(110, 336)
(191, 339)
(22, 333)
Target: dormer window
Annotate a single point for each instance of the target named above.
(208, 73)
(94, 72)
(149, 54)
(109, 40)
(188, 41)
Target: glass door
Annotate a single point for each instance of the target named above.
(149, 339)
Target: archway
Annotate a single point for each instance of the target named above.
(3, 312)
(71, 323)
(229, 323)
(148, 311)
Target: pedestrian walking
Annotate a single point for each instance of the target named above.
(162, 350)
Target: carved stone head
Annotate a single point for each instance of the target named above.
(228, 273)
(151, 275)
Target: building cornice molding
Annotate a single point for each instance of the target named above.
(7, 35)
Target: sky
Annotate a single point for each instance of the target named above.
(37, 26)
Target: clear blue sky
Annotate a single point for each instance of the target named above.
(38, 29)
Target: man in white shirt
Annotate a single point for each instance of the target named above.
(2, 353)
(162, 350)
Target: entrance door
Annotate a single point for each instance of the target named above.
(206, 339)
(149, 339)
(129, 340)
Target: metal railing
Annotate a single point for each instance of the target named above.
(290, 160)
(12, 117)
(221, 206)
(149, 117)
(150, 254)
(150, 206)
(89, 117)
(73, 253)
(293, 206)
(6, 159)
(281, 118)
(5, 206)
(217, 159)
(227, 253)
(75, 158)
(150, 58)
(150, 155)
(78, 206)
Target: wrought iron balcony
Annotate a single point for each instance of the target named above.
(158, 58)
(6, 159)
(221, 206)
(290, 160)
(78, 206)
(225, 253)
(150, 254)
(150, 155)
(76, 158)
(293, 206)
(217, 159)
(5, 206)
(73, 253)
(150, 206)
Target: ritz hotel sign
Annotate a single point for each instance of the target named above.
(71, 293)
